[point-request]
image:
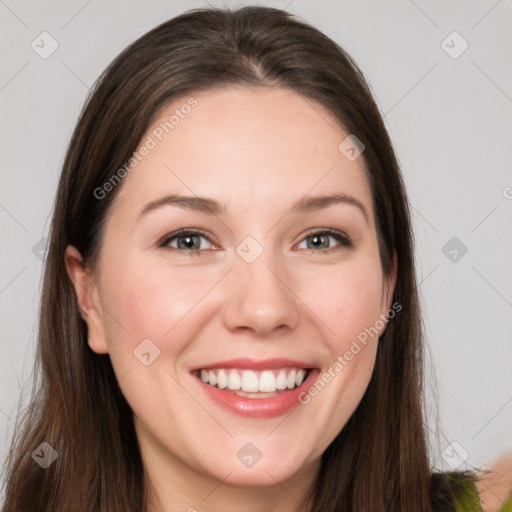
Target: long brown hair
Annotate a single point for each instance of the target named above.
(378, 462)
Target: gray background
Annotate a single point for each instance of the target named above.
(449, 119)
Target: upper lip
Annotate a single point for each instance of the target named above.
(254, 364)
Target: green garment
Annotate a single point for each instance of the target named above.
(469, 501)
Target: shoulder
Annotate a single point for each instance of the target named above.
(448, 489)
(495, 485)
(488, 490)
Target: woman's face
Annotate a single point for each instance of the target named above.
(267, 285)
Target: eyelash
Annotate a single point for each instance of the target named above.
(339, 236)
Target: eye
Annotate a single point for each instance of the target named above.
(191, 241)
(325, 240)
(187, 240)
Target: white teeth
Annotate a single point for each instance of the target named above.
(291, 379)
(234, 380)
(281, 381)
(249, 381)
(222, 379)
(267, 382)
(258, 395)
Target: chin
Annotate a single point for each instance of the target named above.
(262, 475)
(252, 468)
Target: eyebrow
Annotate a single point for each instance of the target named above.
(212, 207)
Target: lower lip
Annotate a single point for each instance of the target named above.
(259, 407)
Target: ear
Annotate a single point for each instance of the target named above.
(88, 299)
(389, 285)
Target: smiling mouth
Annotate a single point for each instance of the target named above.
(252, 383)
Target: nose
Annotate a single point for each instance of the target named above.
(260, 298)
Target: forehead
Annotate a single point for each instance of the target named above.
(243, 146)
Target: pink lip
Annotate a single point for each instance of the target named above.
(258, 407)
(254, 364)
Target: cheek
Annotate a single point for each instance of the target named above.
(349, 302)
(346, 309)
(149, 302)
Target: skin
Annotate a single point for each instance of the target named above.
(258, 151)
(495, 486)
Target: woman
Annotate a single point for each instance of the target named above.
(229, 317)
